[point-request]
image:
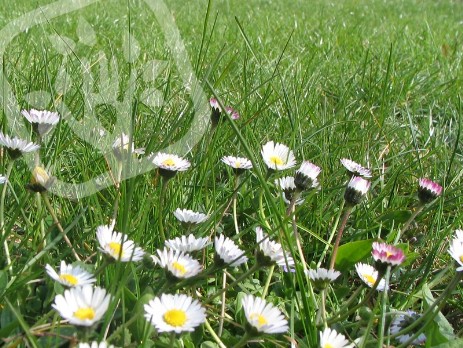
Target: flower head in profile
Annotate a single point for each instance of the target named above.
(234, 115)
(188, 243)
(70, 275)
(189, 217)
(355, 169)
(288, 188)
(94, 344)
(263, 317)
(401, 322)
(321, 277)
(123, 146)
(387, 255)
(238, 164)
(16, 147)
(217, 116)
(278, 156)
(42, 120)
(175, 313)
(456, 249)
(271, 252)
(306, 176)
(40, 180)
(2, 179)
(178, 264)
(369, 275)
(169, 164)
(118, 245)
(356, 189)
(331, 339)
(428, 190)
(83, 305)
(227, 252)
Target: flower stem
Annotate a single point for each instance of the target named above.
(214, 335)
(2, 215)
(340, 231)
(161, 205)
(235, 194)
(267, 282)
(408, 222)
(384, 305)
(333, 231)
(222, 308)
(242, 341)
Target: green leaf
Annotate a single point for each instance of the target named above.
(396, 217)
(351, 253)
(209, 344)
(451, 344)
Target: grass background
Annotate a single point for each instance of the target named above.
(375, 81)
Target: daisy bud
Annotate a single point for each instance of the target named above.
(428, 190)
(306, 176)
(40, 181)
(401, 322)
(356, 189)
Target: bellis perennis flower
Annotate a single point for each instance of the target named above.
(188, 243)
(117, 245)
(356, 189)
(169, 164)
(95, 344)
(321, 277)
(227, 252)
(16, 147)
(331, 339)
(263, 317)
(189, 216)
(179, 264)
(239, 164)
(41, 120)
(70, 275)
(385, 254)
(428, 190)
(401, 322)
(306, 176)
(278, 156)
(369, 275)
(456, 249)
(355, 169)
(271, 252)
(288, 187)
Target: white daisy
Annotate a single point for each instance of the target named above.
(428, 190)
(356, 189)
(187, 244)
(82, 306)
(179, 264)
(40, 181)
(190, 216)
(401, 322)
(16, 147)
(331, 339)
(41, 120)
(263, 316)
(271, 250)
(2, 179)
(456, 251)
(306, 176)
(168, 162)
(95, 344)
(369, 275)
(70, 275)
(227, 251)
(321, 277)
(459, 234)
(239, 164)
(355, 169)
(118, 245)
(122, 145)
(288, 187)
(278, 156)
(175, 313)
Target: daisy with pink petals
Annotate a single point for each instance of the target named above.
(387, 255)
(428, 190)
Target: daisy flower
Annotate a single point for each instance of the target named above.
(331, 339)
(456, 251)
(263, 317)
(187, 244)
(42, 120)
(216, 115)
(321, 277)
(175, 313)
(179, 264)
(459, 234)
(122, 145)
(288, 187)
(355, 169)
(2, 179)
(428, 190)
(16, 147)
(117, 245)
(387, 255)
(70, 275)
(82, 306)
(95, 344)
(271, 252)
(234, 115)
(401, 322)
(189, 216)
(239, 164)
(356, 189)
(169, 164)
(369, 275)
(40, 180)
(278, 156)
(306, 176)
(227, 252)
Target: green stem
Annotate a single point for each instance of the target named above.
(118, 193)
(261, 210)
(235, 194)
(214, 335)
(340, 231)
(333, 231)
(2, 215)
(408, 222)
(161, 205)
(382, 318)
(242, 341)
(224, 298)
(267, 282)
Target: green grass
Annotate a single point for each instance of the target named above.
(378, 82)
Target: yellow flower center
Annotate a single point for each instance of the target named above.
(84, 313)
(461, 258)
(389, 254)
(179, 267)
(175, 317)
(369, 278)
(69, 278)
(168, 162)
(276, 160)
(261, 321)
(39, 176)
(328, 345)
(115, 249)
(237, 164)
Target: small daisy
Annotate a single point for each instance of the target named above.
(179, 264)
(428, 190)
(189, 216)
(369, 275)
(42, 120)
(169, 164)
(387, 255)
(306, 176)
(117, 245)
(263, 317)
(121, 147)
(16, 147)
(216, 114)
(356, 189)
(234, 115)
(70, 275)
(40, 180)
(2, 179)
(401, 322)
(278, 156)
(82, 306)
(355, 169)
(288, 187)
(175, 313)
(95, 344)
(239, 164)
(459, 234)
(456, 251)
(321, 277)
(227, 252)
(187, 244)
(331, 339)
(270, 251)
